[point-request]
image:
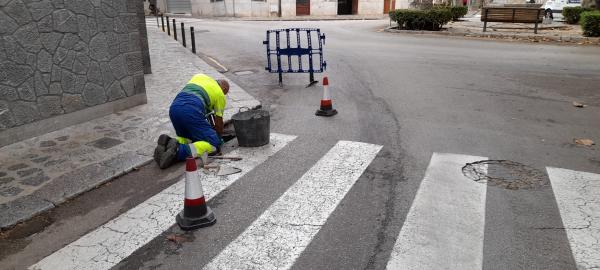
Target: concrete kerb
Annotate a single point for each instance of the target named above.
(84, 178)
(501, 36)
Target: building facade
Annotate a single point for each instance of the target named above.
(69, 61)
(278, 8)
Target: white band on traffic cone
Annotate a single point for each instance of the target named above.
(194, 202)
(326, 94)
(326, 108)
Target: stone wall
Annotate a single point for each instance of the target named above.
(64, 56)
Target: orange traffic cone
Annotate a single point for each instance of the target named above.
(196, 214)
(326, 104)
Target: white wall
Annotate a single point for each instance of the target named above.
(323, 7)
(402, 4)
(162, 5)
(201, 8)
(288, 8)
(260, 9)
(222, 8)
(243, 8)
(367, 7)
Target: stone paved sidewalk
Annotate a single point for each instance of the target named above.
(42, 172)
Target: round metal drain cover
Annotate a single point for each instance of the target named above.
(506, 174)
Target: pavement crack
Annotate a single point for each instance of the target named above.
(387, 133)
(109, 252)
(114, 230)
(564, 228)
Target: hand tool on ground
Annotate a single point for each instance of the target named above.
(226, 157)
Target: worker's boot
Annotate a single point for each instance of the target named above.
(163, 139)
(169, 156)
(161, 146)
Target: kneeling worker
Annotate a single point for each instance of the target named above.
(196, 137)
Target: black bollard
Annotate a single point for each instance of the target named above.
(193, 39)
(168, 27)
(157, 23)
(183, 35)
(162, 21)
(174, 30)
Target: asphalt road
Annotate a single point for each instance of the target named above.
(415, 95)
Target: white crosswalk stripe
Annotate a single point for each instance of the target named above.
(445, 224)
(117, 239)
(578, 197)
(281, 233)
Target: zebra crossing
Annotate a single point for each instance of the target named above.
(444, 227)
(108, 245)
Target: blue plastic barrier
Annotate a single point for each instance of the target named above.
(299, 43)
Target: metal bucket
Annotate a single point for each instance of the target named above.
(252, 127)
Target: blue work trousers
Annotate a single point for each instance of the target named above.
(187, 114)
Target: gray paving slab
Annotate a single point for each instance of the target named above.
(41, 172)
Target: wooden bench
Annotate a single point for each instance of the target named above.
(512, 15)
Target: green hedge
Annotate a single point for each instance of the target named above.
(573, 14)
(458, 12)
(590, 23)
(429, 19)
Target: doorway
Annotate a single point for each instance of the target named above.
(302, 7)
(347, 7)
(388, 5)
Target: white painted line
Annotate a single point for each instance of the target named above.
(114, 241)
(578, 198)
(217, 63)
(444, 227)
(281, 233)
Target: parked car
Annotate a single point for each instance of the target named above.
(557, 6)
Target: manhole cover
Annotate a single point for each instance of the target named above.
(105, 143)
(243, 72)
(506, 174)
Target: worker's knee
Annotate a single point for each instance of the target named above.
(204, 147)
(195, 150)
(182, 140)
